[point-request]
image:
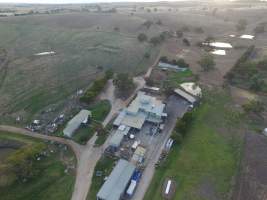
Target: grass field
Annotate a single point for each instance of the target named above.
(82, 53)
(100, 110)
(50, 183)
(205, 164)
(104, 165)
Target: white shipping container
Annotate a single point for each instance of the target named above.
(131, 188)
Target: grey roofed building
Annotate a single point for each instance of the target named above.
(117, 138)
(142, 108)
(76, 121)
(170, 66)
(186, 96)
(117, 182)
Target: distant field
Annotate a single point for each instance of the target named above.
(207, 161)
(85, 45)
(49, 182)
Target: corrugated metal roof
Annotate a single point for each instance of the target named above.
(185, 95)
(142, 108)
(170, 66)
(117, 182)
(75, 122)
(116, 139)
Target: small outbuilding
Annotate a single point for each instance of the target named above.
(81, 118)
(118, 181)
(191, 99)
(117, 138)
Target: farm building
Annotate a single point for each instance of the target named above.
(76, 121)
(190, 98)
(192, 88)
(163, 65)
(118, 181)
(142, 108)
(116, 139)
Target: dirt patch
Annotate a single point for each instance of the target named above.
(252, 182)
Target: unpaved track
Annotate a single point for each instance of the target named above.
(77, 149)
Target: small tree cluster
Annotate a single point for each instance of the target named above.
(254, 106)
(182, 127)
(98, 85)
(207, 62)
(241, 25)
(142, 37)
(123, 83)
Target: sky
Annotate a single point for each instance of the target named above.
(73, 1)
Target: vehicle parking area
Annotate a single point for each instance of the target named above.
(151, 136)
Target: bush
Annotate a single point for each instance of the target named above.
(259, 29)
(98, 85)
(179, 33)
(148, 23)
(241, 25)
(158, 39)
(207, 62)
(199, 30)
(123, 83)
(184, 124)
(254, 106)
(186, 42)
(142, 37)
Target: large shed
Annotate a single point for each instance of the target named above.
(76, 121)
(117, 182)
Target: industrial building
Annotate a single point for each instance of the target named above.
(81, 118)
(143, 108)
(115, 186)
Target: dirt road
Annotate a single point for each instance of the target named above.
(77, 149)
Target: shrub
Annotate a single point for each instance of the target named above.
(254, 106)
(207, 62)
(186, 42)
(241, 25)
(142, 37)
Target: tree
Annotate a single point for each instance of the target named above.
(179, 33)
(207, 62)
(181, 63)
(149, 81)
(241, 25)
(259, 29)
(254, 106)
(148, 23)
(147, 55)
(256, 83)
(116, 29)
(109, 74)
(142, 37)
(186, 42)
(124, 83)
(159, 22)
(199, 30)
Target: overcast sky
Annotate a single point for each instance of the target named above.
(73, 1)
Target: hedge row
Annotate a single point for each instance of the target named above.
(98, 85)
